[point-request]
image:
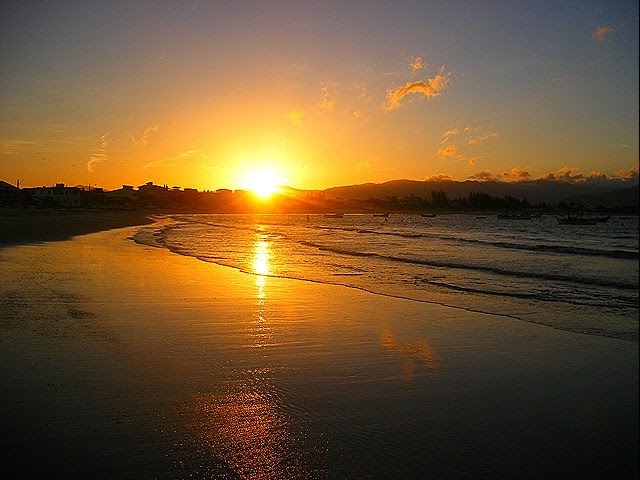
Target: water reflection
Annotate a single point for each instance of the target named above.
(243, 421)
(261, 256)
(413, 353)
(260, 334)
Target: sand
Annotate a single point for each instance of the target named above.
(125, 361)
(21, 225)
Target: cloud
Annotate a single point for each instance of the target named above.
(566, 174)
(416, 64)
(519, 174)
(448, 151)
(481, 138)
(433, 87)
(630, 174)
(601, 32)
(440, 177)
(327, 103)
(463, 148)
(190, 157)
(14, 146)
(144, 139)
(295, 116)
(484, 176)
(449, 133)
(100, 156)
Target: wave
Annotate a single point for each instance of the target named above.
(482, 268)
(546, 248)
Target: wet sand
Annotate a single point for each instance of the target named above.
(125, 361)
(20, 225)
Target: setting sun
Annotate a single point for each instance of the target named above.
(264, 182)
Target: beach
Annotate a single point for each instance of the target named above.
(121, 360)
(22, 225)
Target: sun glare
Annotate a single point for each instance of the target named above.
(263, 182)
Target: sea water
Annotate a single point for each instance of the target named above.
(582, 278)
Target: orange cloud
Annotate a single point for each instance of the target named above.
(100, 156)
(520, 174)
(433, 87)
(449, 133)
(601, 32)
(327, 103)
(448, 151)
(440, 177)
(629, 174)
(416, 64)
(481, 138)
(192, 157)
(144, 139)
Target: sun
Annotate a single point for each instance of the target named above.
(263, 182)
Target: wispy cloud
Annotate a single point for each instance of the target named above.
(481, 138)
(100, 156)
(459, 145)
(295, 116)
(449, 133)
(144, 139)
(601, 32)
(327, 103)
(433, 87)
(416, 64)
(14, 146)
(192, 157)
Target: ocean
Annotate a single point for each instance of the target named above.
(580, 278)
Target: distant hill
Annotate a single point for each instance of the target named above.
(627, 197)
(613, 192)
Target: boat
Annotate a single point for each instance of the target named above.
(429, 215)
(481, 217)
(580, 219)
(333, 215)
(514, 216)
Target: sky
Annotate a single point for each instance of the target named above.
(215, 94)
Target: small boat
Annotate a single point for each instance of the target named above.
(333, 215)
(481, 217)
(428, 215)
(385, 215)
(579, 219)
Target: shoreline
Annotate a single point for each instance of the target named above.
(26, 226)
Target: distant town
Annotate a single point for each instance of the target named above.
(432, 197)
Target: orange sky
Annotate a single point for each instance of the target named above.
(316, 94)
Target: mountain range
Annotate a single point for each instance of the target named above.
(609, 193)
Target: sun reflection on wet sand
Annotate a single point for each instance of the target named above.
(414, 353)
(244, 424)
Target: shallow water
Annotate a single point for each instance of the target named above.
(577, 278)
